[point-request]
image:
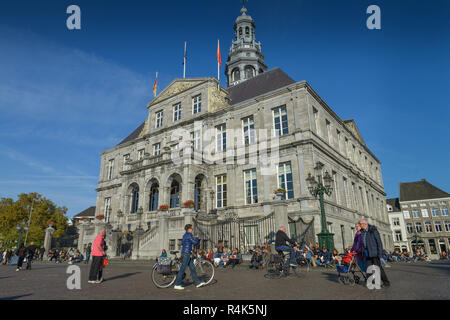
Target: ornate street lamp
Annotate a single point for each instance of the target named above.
(318, 188)
(119, 220)
(21, 227)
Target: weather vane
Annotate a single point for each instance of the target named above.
(243, 3)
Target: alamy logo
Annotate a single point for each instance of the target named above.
(73, 22)
(374, 20)
(374, 280)
(74, 280)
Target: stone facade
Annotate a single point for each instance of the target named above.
(134, 174)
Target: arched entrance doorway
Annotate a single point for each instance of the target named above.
(175, 190)
(199, 191)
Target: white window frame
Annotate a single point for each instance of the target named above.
(159, 117)
(221, 137)
(197, 104)
(248, 122)
(436, 224)
(444, 212)
(177, 109)
(284, 173)
(280, 108)
(428, 224)
(125, 158)
(252, 195)
(406, 214)
(141, 153)
(107, 206)
(223, 182)
(157, 149)
(111, 169)
(424, 213)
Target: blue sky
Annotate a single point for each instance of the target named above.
(67, 95)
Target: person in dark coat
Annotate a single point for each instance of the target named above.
(30, 251)
(21, 254)
(373, 248)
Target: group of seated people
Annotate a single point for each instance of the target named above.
(406, 256)
(221, 256)
(70, 256)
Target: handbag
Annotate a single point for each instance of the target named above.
(105, 262)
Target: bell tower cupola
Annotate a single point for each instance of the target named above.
(245, 59)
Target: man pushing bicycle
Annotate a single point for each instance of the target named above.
(187, 260)
(280, 245)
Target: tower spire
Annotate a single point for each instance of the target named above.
(245, 59)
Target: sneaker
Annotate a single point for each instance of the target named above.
(17, 269)
(91, 281)
(200, 284)
(99, 281)
(293, 265)
(178, 288)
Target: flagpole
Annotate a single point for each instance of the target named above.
(156, 89)
(184, 61)
(218, 64)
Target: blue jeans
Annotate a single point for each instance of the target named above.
(88, 256)
(291, 252)
(187, 261)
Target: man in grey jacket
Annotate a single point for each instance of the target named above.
(373, 248)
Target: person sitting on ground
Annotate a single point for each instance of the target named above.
(309, 254)
(256, 259)
(216, 257)
(163, 253)
(336, 257)
(208, 256)
(225, 257)
(324, 257)
(316, 250)
(235, 258)
(265, 257)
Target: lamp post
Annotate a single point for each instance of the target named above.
(21, 227)
(318, 188)
(139, 212)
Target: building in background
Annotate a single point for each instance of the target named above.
(142, 191)
(425, 211)
(398, 226)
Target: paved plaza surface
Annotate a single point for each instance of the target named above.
(132, 280)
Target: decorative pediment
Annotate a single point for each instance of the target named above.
(175, 87)
(351, 125)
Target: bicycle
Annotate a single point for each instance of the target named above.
(279, 266)
(164, 277)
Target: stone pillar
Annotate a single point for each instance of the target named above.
(163, 230)
(281, 214)
(99, 226)
(48, 238)
(110, 243)
(81, 234)
(189, 215)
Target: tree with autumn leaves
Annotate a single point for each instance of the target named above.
(43, 211)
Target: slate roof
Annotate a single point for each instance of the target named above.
(89, 212)
(420, 190)
(134, 135)
(394, 203)
(265, 82)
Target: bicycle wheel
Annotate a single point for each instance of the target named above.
(274, 271)
(163, 280)
(299, 271)
(205, 271)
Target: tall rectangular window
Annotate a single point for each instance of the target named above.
(398, 236)
(438, 226)
(141, 154)
(221, 138)
(196, 139)
(159, 119)
(107, 209)
(406, 214)
(409, 227)
(329, 133)
(424, 213)
(316, 120)
(280, 121)
(444, 212)
(435, 212)
(285, 180)
(157, 149)
(419, 227)
(396, 221)
(345, 182)
(221, 191)
(416, 213)
(111, 169)
(428, 227)
(197, 104)
(177, 112)
(447, 226)
(251, 186)
(125, 159)
(336, 191)
(248, 128)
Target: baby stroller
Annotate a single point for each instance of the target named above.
(348, 272)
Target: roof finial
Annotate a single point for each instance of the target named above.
(243, 10)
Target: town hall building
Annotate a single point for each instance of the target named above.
(234, 162)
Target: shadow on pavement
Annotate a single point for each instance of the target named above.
(125, 275)
(16, 297)
(333, 277)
